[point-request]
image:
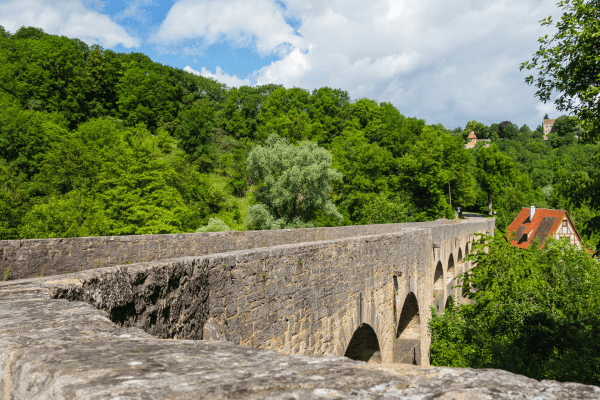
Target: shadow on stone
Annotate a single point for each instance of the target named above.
(364, 345)
(124, 315)
(407, 351)
(407, 346)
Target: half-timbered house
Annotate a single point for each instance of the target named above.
(542, 223)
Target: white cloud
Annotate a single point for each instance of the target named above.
(220, 76)
(447, 62)
(65, 17)
(258, 23)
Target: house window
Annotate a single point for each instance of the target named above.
(564, 225)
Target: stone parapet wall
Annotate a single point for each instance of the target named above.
(305, 298)
(20, 259)
(309, 296)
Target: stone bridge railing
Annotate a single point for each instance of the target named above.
(363, 291)
(43, 257)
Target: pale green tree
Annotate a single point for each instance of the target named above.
(214, 225)
(293, 184)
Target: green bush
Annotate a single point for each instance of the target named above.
(536, 312)
(214, 225)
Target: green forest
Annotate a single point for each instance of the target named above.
(94, 142)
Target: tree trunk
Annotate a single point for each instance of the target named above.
(489, 203)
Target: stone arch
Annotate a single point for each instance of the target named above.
(460, 268)
(451, 265)
(407, 348)
(364, 345)
(449, 300)
(438, 284)
(364, 309)
(450, 274)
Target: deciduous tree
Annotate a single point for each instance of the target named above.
(568, 62)
(294, 182)
(495, 171)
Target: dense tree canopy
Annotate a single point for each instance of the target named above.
(94, 142)
(495, 171)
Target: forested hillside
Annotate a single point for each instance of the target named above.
(94, 142)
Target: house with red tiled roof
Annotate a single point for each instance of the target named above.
(542, 223)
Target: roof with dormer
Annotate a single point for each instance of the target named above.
(544, 224)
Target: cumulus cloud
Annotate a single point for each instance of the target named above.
(259, 23)
(220, 76)
(447, 62)
(66, 17)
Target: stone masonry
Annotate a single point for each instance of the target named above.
(58, 349)
(298, 298)
(303, 298)
(43, 257)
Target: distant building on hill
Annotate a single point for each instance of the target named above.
(542, 223)
(473, 141)
(548, 126)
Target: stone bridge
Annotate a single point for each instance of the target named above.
(360, 291)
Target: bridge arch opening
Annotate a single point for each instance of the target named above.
(449, 302)
(438, 283)
(407, 347)
(364, 345)
(451, 265)
(450, 274)
(460, 268)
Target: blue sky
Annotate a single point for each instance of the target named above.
(446, 62)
